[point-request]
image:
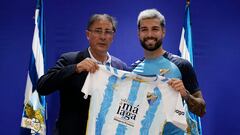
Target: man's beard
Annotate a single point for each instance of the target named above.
(155, 47)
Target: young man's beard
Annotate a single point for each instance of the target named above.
(155, 47)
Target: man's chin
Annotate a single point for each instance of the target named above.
(151, 46)
(102, 48)
(150, 49)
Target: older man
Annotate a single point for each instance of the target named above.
(70, 71)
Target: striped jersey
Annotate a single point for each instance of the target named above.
(127, 103)
(172, 66)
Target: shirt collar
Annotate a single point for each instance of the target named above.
(108, 61)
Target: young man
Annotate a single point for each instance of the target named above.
(70, 71)
(151, 32)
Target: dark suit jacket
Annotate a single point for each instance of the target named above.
(73, 107)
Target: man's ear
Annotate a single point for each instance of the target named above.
(164, 32)
(138, 33)
(87, 34)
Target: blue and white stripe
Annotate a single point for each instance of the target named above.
(121, 129)
(36, 123)
(185, 46)
(186, 50)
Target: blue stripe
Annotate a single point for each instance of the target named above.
(42, 36)
(107, 67)
(188, 33)
(32, 66)
(41, 28)
(121, 129)
(105, 105)
(42, 100)
(150, 114)
(33, 73)
(134, 90)
(43, 46)
(188, 38)
(115, 70)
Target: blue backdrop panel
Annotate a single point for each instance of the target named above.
(215, 29)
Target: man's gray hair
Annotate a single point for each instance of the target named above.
(151, 14)
(97, 17)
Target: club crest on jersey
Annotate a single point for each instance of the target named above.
(164, 71)
(126, 112)
(151, 98)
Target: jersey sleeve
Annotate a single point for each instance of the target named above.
(173, 107)
(189, 77)
(95, 82)
(179, 115)
(88, 86)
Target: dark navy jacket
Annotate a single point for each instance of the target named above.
(73, 107)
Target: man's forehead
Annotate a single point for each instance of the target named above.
(150, 23)
(104, 24)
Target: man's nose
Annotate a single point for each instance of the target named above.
(149, 33)
(102, 35)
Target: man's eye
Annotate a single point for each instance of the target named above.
(109, 32)
(156, 29)
(98, 31)
(143, 30)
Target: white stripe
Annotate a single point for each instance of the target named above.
(183, 47)
(36, 48)
(30, 96)
(28, 90)
(35, 101)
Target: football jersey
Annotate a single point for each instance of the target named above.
(172, 66)
(126, 103)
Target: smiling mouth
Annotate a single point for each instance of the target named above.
(150, 41)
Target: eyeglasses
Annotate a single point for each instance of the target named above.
(99, 32)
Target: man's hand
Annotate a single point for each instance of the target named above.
(177, 84)
(88, 65)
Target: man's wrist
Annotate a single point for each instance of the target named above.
(187, 96)
(77, 70)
